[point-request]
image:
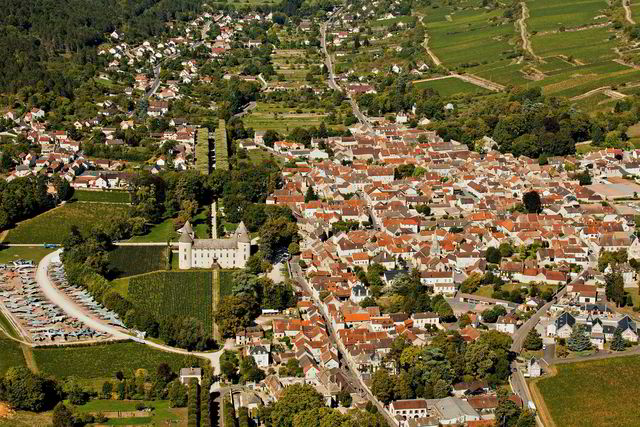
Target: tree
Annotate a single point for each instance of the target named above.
(205, 414)
(310, 195)
(177, 395)
(614, 288)
(229, 365)
(382, 386)
(62, 416)
(295, 399)
(294, 248)
(28, 391)
(618, 343)
(270, 137)
(107, 389)
(344, 398)
(578, 340)
(507, 413)
(532, 202)
(236, 312)
(193, 403)
(493, 255)
(533, 340)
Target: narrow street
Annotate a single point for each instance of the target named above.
(364, 120)
(298, 277)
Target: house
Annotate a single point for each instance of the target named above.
(410, 408)
(186, 374)
(455, 411)
(533, 368)
(260, 354)
(421, 320)
(507, 324)
(562, 326)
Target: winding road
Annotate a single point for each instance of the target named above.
(74, 310)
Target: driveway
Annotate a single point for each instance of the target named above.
(74, 310)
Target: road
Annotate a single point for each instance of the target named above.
(332, 78)
(425, 44)
(73, 310)
(250, 106)
(298, 276)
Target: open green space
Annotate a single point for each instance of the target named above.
(202, 151)
(174, 293)
(551, 15)
(102, 196)
(34, 253)
(133, 260)
(161, 414)
(104, 360)
(594, 393)
(282, 119)
(10, 354)
(451, 86)
(54, 225)
(27, 419)
(162, 232)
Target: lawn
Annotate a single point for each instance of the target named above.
(451, 86)
(179, 293)
(102, 196)
(104, 360)
(162, 413)
(8, 254)
(10, 354)
(162, 232)
(594, 393)
(54, 225)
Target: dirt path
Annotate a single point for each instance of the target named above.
(479, 81)
(627, 12)
(614, 94)
(524, 34)
(425, 44)
(29, 359)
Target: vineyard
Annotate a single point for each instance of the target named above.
(226, 282)
(182, 294)
(222, 148)
(132, 260)
(202, 151)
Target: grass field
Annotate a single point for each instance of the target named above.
(27, 419)
(161, 415)
(550, 15)
(594, 393)
(161, 232)
(167, 293)
(103, 361)
(54, 225)
(133, 260)
(10, 354)
(102, 196)
(451, 86)
(8, 254)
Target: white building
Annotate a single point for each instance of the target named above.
(233, 252)
(260, 354)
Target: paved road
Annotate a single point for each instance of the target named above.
(72, 309)
(332, 78)
(298, 277)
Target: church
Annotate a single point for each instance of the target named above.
(233, 252)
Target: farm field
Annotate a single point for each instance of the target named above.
(550, 15)
(222, 147)
(27, 419)
(226, 283)
(102, 196)
(594, 393)
(103, 361)
(451, 86)
(168, 293)
(8, 254)
(54, 225)
(133, 260)
(202, 151)
(10, 354)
